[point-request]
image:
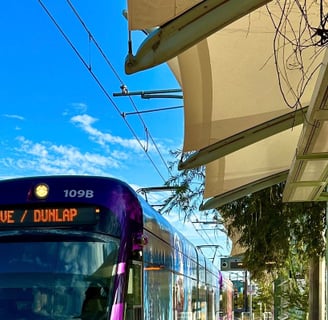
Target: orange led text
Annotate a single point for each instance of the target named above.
(6, 216)
(54, 215)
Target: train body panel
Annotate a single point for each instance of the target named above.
(177, 274)
(94, 241)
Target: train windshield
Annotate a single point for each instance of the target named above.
(56, 280)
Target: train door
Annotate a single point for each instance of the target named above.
(134, 309)
(157, 279)
(210, 304)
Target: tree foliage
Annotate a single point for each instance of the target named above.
(271, 231)
(189, 187)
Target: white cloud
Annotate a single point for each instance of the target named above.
(36, 149)
(81, 106)
(47, 158)
(24, 156)
(13, 116)
(75, 107)
(85, 122)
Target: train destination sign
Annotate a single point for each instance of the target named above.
(48, 216)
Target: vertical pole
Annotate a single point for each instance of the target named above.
(245, 293)
(250, 301)
(326, 273)
(314, 289)
(250, 298)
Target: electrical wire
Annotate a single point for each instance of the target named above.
(97, 80)
(92, 38)
(206, 239)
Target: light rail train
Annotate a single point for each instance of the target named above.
(79, 247)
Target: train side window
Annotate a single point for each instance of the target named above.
(134, 292)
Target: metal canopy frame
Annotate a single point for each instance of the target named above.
(181, 33)
(245, 190)
(307, 180)
(243, 139)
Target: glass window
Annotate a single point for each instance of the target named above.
(158, 294)
(56, 280)
(134, 294)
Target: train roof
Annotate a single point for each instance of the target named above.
(155, 223)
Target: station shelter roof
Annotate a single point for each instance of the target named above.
(254, 78)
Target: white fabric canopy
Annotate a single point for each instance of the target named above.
(247, 87)
(262, 159)
(145, 14)
(230, 84)
(255, 104)
(230, 81)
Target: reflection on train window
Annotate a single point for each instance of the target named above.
(134, 293)
(56, 280)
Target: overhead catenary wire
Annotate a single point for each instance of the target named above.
(209, 240)
(88, 66)
(147, 132)
(150, 110)
(103, 89)
(91, 37)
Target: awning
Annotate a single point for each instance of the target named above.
(182, 32)
(145, 14)
(308, 175)
(248, 89)
(236, 107)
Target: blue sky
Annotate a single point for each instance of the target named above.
(55, 118)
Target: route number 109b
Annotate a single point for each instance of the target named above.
(73, 193)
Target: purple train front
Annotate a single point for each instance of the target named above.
(78, 247)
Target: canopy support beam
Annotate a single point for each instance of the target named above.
(244, 190)
(244, 139)
(181, 33)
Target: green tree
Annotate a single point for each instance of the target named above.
(280, 238)
(189, 187)
(273, 232)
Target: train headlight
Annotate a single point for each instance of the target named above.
(41, 191)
